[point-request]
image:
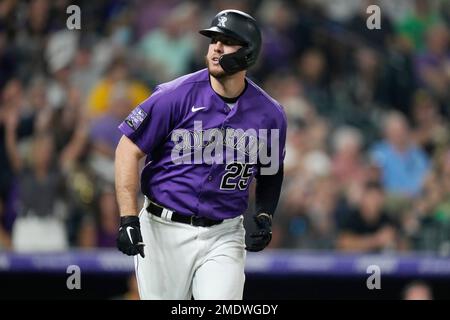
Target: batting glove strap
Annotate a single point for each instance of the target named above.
(263, 220)
(129, 239)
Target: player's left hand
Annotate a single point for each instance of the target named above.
(261, 238)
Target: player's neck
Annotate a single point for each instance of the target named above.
(229, 87)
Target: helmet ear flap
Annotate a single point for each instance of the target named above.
(237, 61)
(233, 62)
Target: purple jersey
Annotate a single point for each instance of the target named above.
(213, 189)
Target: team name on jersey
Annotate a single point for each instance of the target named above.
(238, 139)
(224, 145)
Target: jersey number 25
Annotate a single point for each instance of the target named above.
(243, 171)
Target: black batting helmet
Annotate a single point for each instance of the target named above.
(239, 26)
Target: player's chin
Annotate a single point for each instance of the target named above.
(216, 71)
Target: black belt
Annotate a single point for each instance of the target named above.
(197, 221)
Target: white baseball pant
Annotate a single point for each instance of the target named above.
(182, 261)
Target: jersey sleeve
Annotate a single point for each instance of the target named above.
(151, 121)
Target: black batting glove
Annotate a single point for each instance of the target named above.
(129, 239)
(261, 238)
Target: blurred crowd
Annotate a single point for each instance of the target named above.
(368, 151)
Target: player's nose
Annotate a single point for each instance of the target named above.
(218, 46)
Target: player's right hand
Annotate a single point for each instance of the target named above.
(129, 239)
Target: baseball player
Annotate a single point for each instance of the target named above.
(188, 240)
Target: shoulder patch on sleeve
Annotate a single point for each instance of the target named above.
(135, 118)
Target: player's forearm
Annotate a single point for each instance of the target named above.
(126, 183)
(268, 189)
(127, 177)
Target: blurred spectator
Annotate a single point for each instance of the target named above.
(296, 147)
(348, 162)
(307, 131)
(308, 20)
(109, 219)
(443, 173)
(428, 222)
(67, 120)
(7, 59)
(20, 125)
(32, 35)
(61, 50)
(104, 135)
(84, 73)
(444, 8)
(366, 81)
(117, 72)
(429, 129)
(5, 239)
(321, 214)
(402, 163)
(150, 14)
(277, 49)
(398, 81)
(291, 228)
(416, 24)
(168, 50)
(7, 18)
(317, 163)
(39, 225)
(433, 65)
(417, 290)
(100, 231)
(358, 96)
(369, 228)
(286, 87)
(306, 213)
(311, 66)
